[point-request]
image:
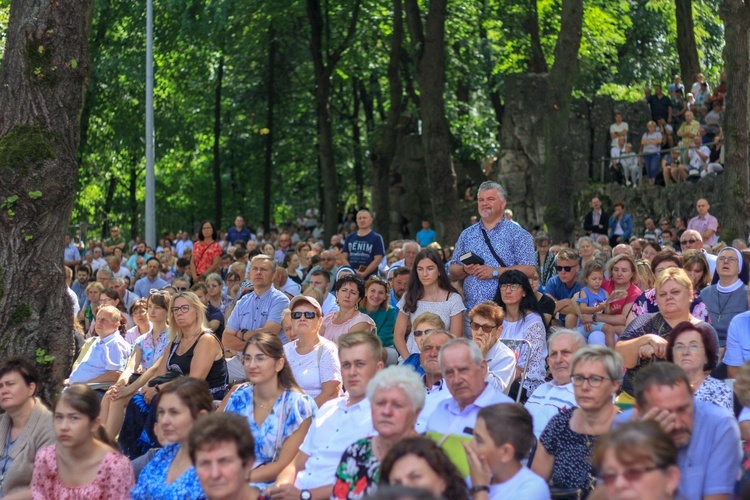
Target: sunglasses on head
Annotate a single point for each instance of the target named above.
(567, 269)
(308, 314)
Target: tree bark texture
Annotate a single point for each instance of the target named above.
(687, 48)
(735, 213)
(557, 156)
(428, 47)
(42, 83)
(325, 60)
(537, 62)
(383, 152)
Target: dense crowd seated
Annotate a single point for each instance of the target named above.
(271, 364)
(683, 141)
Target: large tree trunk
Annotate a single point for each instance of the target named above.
(271, 103)
(559, 186)
(686, 46)
(735, 212)
(359, 175)
(381, 158)
(537, 61)
(429, 56)
(42, 83)
(324, 67)
(218, 196)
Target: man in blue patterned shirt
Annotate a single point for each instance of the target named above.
(513, 244)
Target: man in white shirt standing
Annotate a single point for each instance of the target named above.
(465, 371)
(339, 423)
(557, 395)
(617, 130)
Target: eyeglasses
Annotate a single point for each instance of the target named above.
(682, 348)
(689, 242)
(630, 475)
(259, 358)
(485, 328)
(567, 269)
(419, 333)
(308, 314)
(181, 309)
(509, 286)
(154, 291)
(181, 289)
(214, 285)
(594, 380)
(727, 259)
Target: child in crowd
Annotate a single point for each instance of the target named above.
(503, 436)
(592, 299)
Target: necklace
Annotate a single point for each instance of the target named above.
(266, 404)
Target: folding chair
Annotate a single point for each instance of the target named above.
(517, 346)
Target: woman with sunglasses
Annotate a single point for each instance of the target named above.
(147, 349)
(429, 290)
(637, 460)
(192, 351)
(277, 409)
(313, 359)
(376, 305)
(523, 321)
(564, 450)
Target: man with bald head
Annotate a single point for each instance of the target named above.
(705, 223)
(692, 240)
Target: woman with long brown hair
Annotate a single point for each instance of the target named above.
(277, 410)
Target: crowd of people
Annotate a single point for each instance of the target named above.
(253, 364)
(683, 141)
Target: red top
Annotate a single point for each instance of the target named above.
(204, 255)
(615, 307)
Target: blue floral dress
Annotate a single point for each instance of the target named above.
(151, 352)
(286, 416)
(152, 483)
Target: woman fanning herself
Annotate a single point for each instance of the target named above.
(376, 305)
(693, 348)
(277, 410)
(646, 337)
(429, 290)
(564, 451)
(147, 350)
(82, 464)
(193, 351)
(396, 397)
(522, 321)
(622, 293)
(170, 475)
(349, 290)
(206, 253)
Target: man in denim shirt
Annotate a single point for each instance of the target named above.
(513, 244)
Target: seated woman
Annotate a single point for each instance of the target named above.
(546, 304)
(637, 460)
(139, 313)
(278, 412)
(646, 336)
(349, 290)
(376, 305)
(222, 441)
(26, 425)
(522, 321)
(110, 297)
(564, 450)
(170, 475)
(696, 266)
(396, 397)
(694, 348)
(646, 302)
(193, 351)
(147, 350)
(59, 469)
(420, 463)
(314, 360)
(727, 296)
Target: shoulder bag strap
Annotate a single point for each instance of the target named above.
(500, 261)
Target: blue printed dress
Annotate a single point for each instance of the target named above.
(152, 483)
(286, 416)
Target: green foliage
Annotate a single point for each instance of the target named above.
(7, 205)
(25, 145)
(42, 358)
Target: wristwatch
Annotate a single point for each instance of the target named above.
(305, 495)
(495, 274)
(477, 489)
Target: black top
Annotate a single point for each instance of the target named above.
(546, 306)
(217, 375)
(214, 313)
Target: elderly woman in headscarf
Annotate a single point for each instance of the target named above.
(726, 297)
